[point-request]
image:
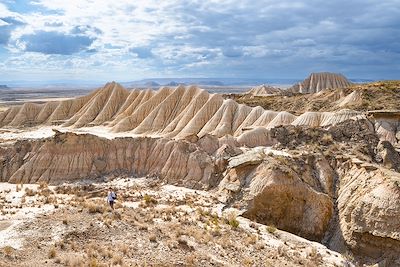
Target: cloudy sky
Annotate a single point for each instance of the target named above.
(132, 39)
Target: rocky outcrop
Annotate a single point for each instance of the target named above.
(317, 82)
(387, 125)
(71, 157)
(273, 192)
(338, 186)
(390, 157)
(369, 212)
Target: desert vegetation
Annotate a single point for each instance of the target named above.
(146, 225)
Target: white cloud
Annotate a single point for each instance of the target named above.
(249, 38)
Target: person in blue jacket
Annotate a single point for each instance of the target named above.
(111, 197)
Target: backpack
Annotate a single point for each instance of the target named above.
(114, 195)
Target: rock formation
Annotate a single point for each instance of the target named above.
(263, 90)
(317, 82)
(72, 157)
(343, 194)
(279, 196)
(173, 113)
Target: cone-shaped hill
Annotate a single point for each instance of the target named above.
(263, 90)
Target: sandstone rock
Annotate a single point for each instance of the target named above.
(369, 212)
(317, 82)
(70, 157)
(390, 157)
(262, 90)
(259, 136)
(276, 195)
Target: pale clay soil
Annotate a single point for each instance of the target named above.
(152, 225)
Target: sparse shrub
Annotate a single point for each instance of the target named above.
(74, 261)
(124, 249)
(149, 200)
(61, 244)
(65, 221)
(248, 261)
(46, 192)
(117, 259)
(215, 219)
(8, 251)
(327, 138)
(231, 220)
(251, 239)
(52, 253)
(43, 185)
(191, 259)
(93, 262)
(153, 238)
(95, 208)
(271, 229)
(202, 212)
(29, 192)
(314, 255)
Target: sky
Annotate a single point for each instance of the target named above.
(127, 40)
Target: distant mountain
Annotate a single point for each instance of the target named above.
(4, 87)
(152, 84)
(173, 83)
(213, 83)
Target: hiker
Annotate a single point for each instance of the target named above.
(111, 197)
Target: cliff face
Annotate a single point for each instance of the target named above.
(72, 157)
(317, 82)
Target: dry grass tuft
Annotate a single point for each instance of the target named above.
(231, 220)
(95, 208)
(52, 253)
(29, 192)
(149, 200)
(271, 229)
(117, 259)
(8, 251)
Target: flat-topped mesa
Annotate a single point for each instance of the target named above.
(317, 82)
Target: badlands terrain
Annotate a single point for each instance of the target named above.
(307, 176)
